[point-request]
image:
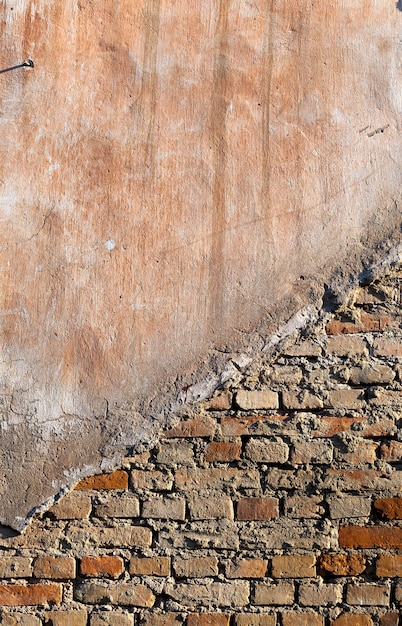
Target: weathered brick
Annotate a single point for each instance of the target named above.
(196, 567)
(150, 566)
(389, 508)
(364, 452)
(370, 537)
(312, 452)
(98, 566)
(66, 618)
(19, 619)
(122, 594)
(208, 619)
(75, 505)
(214, 535)
(356, 479)
(219, 479)
(330, 426)
(115, 480)
(368, 322)
(164, 508)
(298, 535)
(313, 594)
(257, 508)
(289, 375)
(306, 348)
(268, 594)
(220, 402)
(388, 346)
(346, 506)
(367, 594)
(111, 618)
(294, 566)
(153, 480)
(352, 619)
(371, 374)
(255, 619)
(390, 619)
(264, 450)
(15, 567)
(201, 426)
(27, 595)
(81, 539)
(58, 567)
(391, 451)
(259, 399)
(302, 619)
(344, 398)
(389, 565)
(346, 345)
(385, 398)
(214, 506)
(223, 451)
(308, 507)
(192, 595)
(161, 619)
(247, 568)
(301, 400)
(341, 564)
(121, 505)
(175, 453)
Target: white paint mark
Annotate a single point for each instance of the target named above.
(110, 245)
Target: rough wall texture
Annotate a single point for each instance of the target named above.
(276, 502)
(173, 176)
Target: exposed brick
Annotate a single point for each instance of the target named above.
(196, 567)
(355, 479)
(175, 453)
(330, 426)
(311, 594)
(370, 537)
(247, 568)
(247, 424)
(81, 539)
(66, 618)
(346, 345)
(388, 347)
(193, 595)
(344, 398)
(153, 480)
(21, 595)
(268, 594)
(352, 619)
(301, 400)
(366, 594)
(122, 594)
(115, 480)
(211, 507)
(98, 566)
(223, 452)
(111, 618)
(201, 426)
(389, 508)
(150, 566)
(390, 619)
(252, 400)
(297, 535)
(210, 534)
(389, 565)
(15, 567)
(75, 505)
(364, 452)
(341, 564)
(257, 508)
(19, 619)
(293, 566)
(391, 451)
(164, 508)
(302, 619)
(58, 567)
(252, 619)
(208, 619)
(221, 402)
(289, 375)
(121, 505)
(346, 506)
(161, 619)
(264, 450)
(309, 507)
(306, 348)
(371, 374)
(219, 479)
(368, 323)
(312, 452)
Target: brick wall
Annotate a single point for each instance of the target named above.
(277, 502)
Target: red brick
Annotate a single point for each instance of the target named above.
(21, 595)
(257, 509)
(302, 619)
(370, 537)
(202, 426)
(330, 426)
(390, 619)
(223, 452)
(221, 402)
(54, 567)
(208, 619)
(115, 480)
(389, 566)
(98, 566)
(341, 564)
(150, 566)
(389, 508)
(368, 323)
(352, 619)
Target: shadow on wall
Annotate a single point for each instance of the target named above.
(399, 5)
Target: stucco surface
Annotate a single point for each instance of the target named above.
(172, 176)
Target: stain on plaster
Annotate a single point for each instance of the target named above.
(180, 168)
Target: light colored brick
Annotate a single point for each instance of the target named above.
(150, 566)
(252, 619)
(115, 480)
(367, 594)
(19, 619)
(98, 566)
(388, 346)
(268, 594)
(252, 400)
(312, 452)
(15, 567)
(81, 539)
(66, 618)
(308, 507)
(391, 451)
(247, 424)
(175, 453)
(58, 567)
(363, 452)
(352, 619)
(301, 400)
(30, 595)
(200, 426)
(346, 345)
(346, 506)
(389, 566)
(220, 402)
(192, 595)
(154, 480)
(330, 426)
(111, 618)
(342, 564)
(257, 509)
(371, 374)
(122, 594)
(344, 398)
(223, 451)
(196, 567)
(264, 450)
(311, 594)
(289, 375)
(209, 534)
(122, 505)
(75, 505)
(161, 619)
(215, 506)
(164, 508)
(301, 566)
(216, 478)
(295, 534)
(302, 619)
(247, 568)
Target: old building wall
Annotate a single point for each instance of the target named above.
(278, 501)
